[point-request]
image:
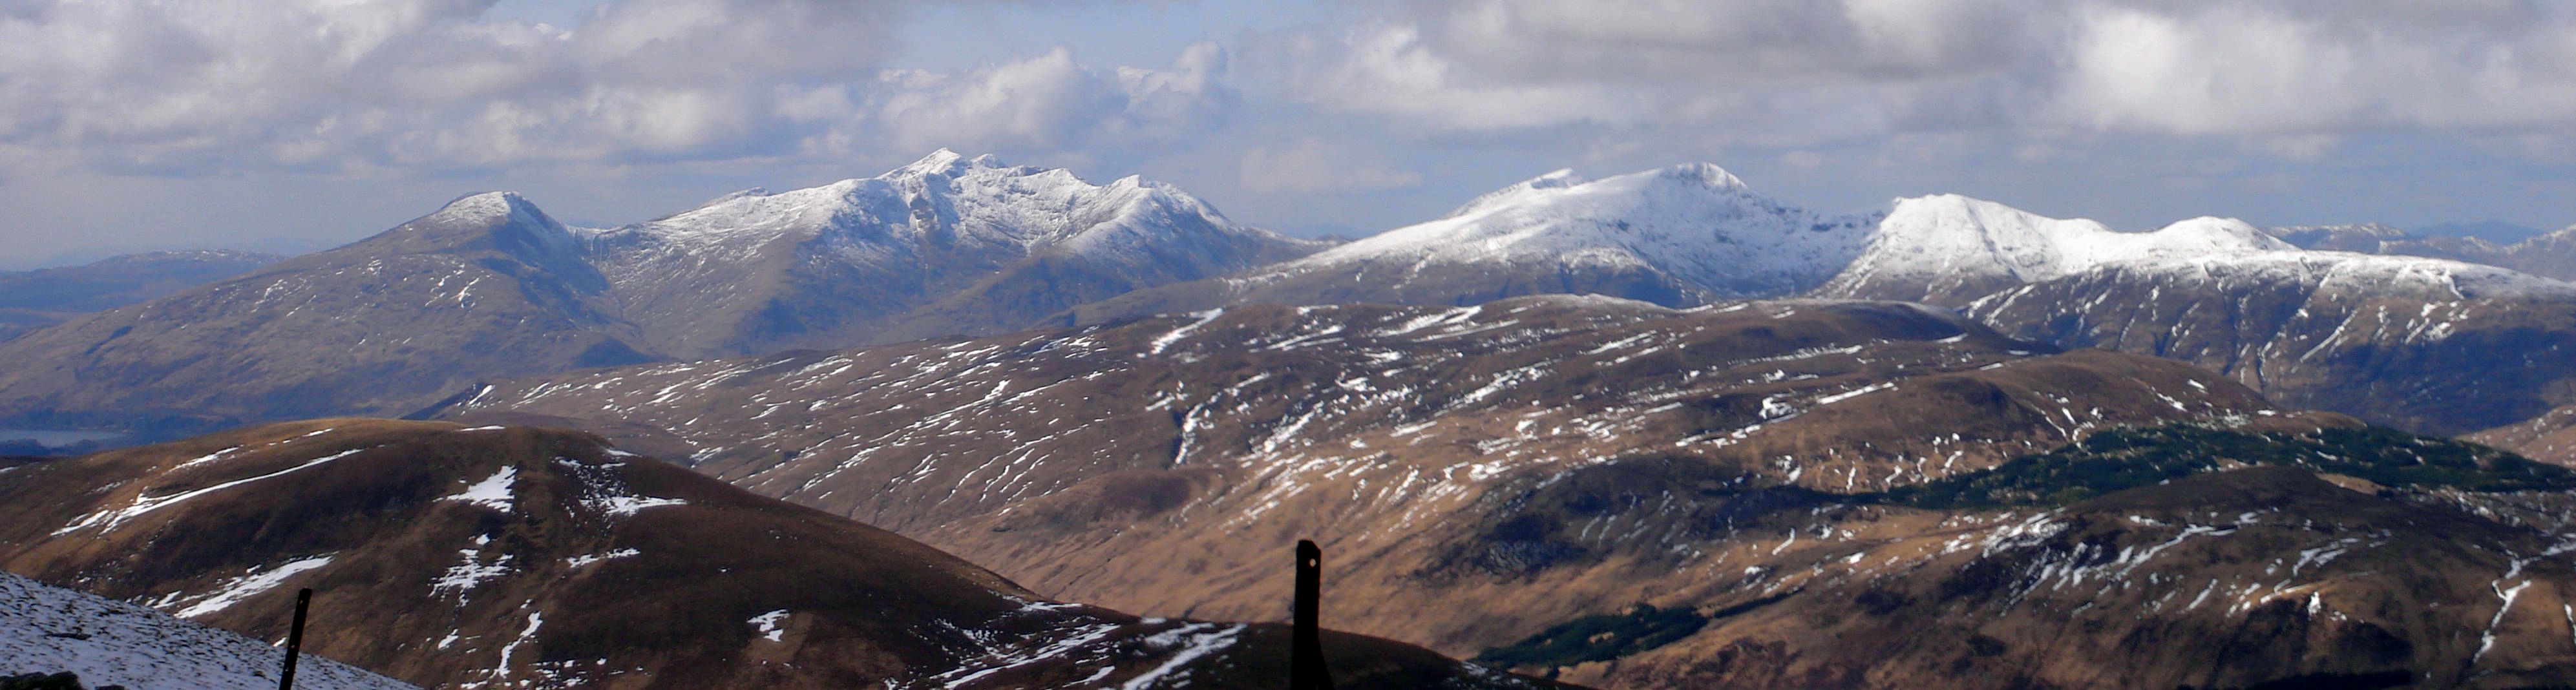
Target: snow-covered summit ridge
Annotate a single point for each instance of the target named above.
(1562, 178)
(1949, 232)
(1696, 222)
(1932, 245)
(2347, 273)
(2294, 234)
(1951, 249)
(948, 197)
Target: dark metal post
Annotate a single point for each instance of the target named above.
(1306, 669)
(295, 639)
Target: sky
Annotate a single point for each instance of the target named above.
(296, 125)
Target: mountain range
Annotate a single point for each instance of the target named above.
(491, 287)
(944, 246)
(1656, 430)
(1679, 236)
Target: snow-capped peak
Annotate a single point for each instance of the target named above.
(1932, 245)
(944, 163)
(1707, 174)
(506, 219)
(1704, 174)
(1695, 222)
(1562, 178)
(2208, 232)
(488, 208)
(939, 161)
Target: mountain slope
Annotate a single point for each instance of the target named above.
(44, 297)
(2424, 344)
(943, 246)
(1678, 236)
(46, 629)
(2261, 577)
(2549, 255)
(1762, 475)
(486, 287)
(2552, 255)
(517, 557)
(2373, 238)
(1950, 249)
(2549, 436)
(1089, 462)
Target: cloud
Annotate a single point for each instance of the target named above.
(1045, 103)
(1314, 165)
(2255, 68)
(345, 86)
(1790, 73)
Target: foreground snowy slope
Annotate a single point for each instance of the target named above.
(46, 629)
(1678, 236)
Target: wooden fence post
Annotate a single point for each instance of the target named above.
(1306, 669)
(295, 639)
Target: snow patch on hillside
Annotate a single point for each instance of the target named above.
(769, 625)
(493, 492)
(145, 502)
(578, 562)
(1188, 644)
(623, 506)
(470, 571)
(603, 490)
(248, 585)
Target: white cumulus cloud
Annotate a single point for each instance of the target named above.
(337, 85)
(1045, 103)
(2289, 76)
